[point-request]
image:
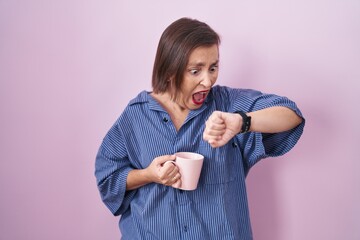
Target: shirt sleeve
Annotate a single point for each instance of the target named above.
(111, 170)
(256, 146)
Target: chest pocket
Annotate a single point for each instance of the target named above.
(222, 165)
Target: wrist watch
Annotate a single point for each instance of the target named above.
(246, 122)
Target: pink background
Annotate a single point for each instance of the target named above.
(68, 69)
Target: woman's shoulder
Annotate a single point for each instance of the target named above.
(142, 97)
(235, 99)
(134, 106)
(219, 91)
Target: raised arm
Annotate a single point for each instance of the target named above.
(223, 126)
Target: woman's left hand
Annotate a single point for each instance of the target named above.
(221, 127)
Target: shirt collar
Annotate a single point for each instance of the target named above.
(144, 97)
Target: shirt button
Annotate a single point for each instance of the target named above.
(234, 145)
(185, 228)
(165, 119)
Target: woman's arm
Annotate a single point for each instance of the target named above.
(223, 126)
(273, 120)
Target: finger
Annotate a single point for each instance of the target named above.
(170, 180)
(174, 179)
(177, 184)
(215, 126)
(169, 173)
(206, 137)
(162, 159)
(167, 169)
(174, 171)
(209, 125)
(213, 143)
(216, 117)
(212, 136)
(214, 132)
(164, 177)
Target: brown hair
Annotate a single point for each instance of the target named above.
(174, 49)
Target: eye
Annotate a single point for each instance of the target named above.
(194, 71)
(214, 68)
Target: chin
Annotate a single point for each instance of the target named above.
(194, 106)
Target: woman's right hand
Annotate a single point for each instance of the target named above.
(157, 172)
(162, 172)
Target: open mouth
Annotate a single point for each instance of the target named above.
(199, 97)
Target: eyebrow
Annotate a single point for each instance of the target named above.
(201, 64)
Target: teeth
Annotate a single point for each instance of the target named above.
(199, 97)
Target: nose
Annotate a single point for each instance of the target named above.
(206, 81)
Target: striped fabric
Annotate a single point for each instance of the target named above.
(218, 208)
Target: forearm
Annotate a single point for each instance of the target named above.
(137, 178)
(273, 120)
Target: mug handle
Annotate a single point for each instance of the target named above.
(175, 185)
(170, 161)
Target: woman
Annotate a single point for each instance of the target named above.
(232, 128)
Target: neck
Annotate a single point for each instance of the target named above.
(177, 112)
(169, 103)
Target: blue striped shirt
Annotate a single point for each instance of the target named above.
(218, 208)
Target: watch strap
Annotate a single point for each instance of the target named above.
(246, 124)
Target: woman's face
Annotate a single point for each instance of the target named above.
(200, 75)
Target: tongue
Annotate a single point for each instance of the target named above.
(198, 97)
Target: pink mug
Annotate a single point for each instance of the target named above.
(189, 165)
